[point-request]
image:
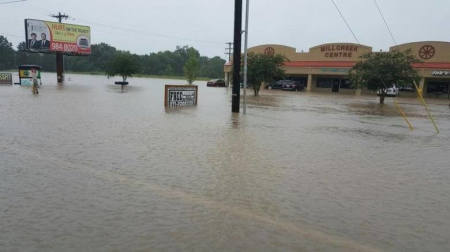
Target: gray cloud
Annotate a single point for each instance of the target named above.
(148, 26)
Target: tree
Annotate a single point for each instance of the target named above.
(169, 63)
(7, 54)
(122, 64)
(191, 69)
(380, 71)
(264, 68)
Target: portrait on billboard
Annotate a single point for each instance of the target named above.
(38, 35)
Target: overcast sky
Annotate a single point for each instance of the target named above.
(144, 26)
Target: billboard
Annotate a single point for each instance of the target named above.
(49, 37)
(180, 95)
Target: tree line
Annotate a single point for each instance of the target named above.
(169, 63)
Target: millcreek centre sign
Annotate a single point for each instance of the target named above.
(338, 51)
(180, 95)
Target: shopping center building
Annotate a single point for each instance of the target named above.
(325, 68)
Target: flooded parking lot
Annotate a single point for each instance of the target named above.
(85, 166)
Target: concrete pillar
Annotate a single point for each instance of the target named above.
(422, 83)
(227, 78)
(309, 83)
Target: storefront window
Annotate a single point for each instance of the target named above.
(346, 84)
(324, 83)
(437, 87)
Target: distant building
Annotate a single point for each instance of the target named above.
(325, 67)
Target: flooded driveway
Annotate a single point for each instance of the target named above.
(88, 167)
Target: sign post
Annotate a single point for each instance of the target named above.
(235, 100)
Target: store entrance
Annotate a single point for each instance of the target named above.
(438, 88)
(336, 85)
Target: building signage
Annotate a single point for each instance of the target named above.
(45, 36)
(427, 52)
(6, 78)
(334, 70)
(440, 73)
(338, 50)
(269, 51)
(180, 95)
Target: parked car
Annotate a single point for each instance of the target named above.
(292, 85)
(391, 92)
(275, 85)
(286, 85)
(216, 83)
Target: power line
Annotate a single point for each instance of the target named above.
(345, 21)
(60, 17)
(385, 22)
(13, 1)
(142, 32)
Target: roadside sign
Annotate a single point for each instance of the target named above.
(6, 79)
(180, 95)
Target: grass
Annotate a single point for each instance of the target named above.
(170, 77)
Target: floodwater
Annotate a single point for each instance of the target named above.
(86, 167)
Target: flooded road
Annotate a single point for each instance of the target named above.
(88, 167)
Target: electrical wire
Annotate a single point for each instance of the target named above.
(142, 32)
(385, 22)
(345, 21)
(13, 1)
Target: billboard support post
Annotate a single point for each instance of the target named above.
(59, 55)
(237, 56)
(60, 67)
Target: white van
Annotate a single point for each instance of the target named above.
(391, 92)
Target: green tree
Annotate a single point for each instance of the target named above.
(123, 65)
(7, 58)
(380, 71)
(211, 67)
(264, 68)
(191, 68)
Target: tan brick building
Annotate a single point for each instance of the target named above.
(325, 68)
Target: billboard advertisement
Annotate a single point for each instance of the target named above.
(49, 37)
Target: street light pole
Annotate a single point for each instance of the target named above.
(246, 55)
(235, 100)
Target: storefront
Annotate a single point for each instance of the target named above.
(325, 68)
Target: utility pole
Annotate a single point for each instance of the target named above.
(247, 6)
(59, 55)
(235, 101)
(229, 50)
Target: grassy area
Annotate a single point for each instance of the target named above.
(135, 75)
(145, 76)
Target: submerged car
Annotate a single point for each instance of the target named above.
(275, 85)
(216, 83)
(292, 85)
(390, 92)
(286, 85)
